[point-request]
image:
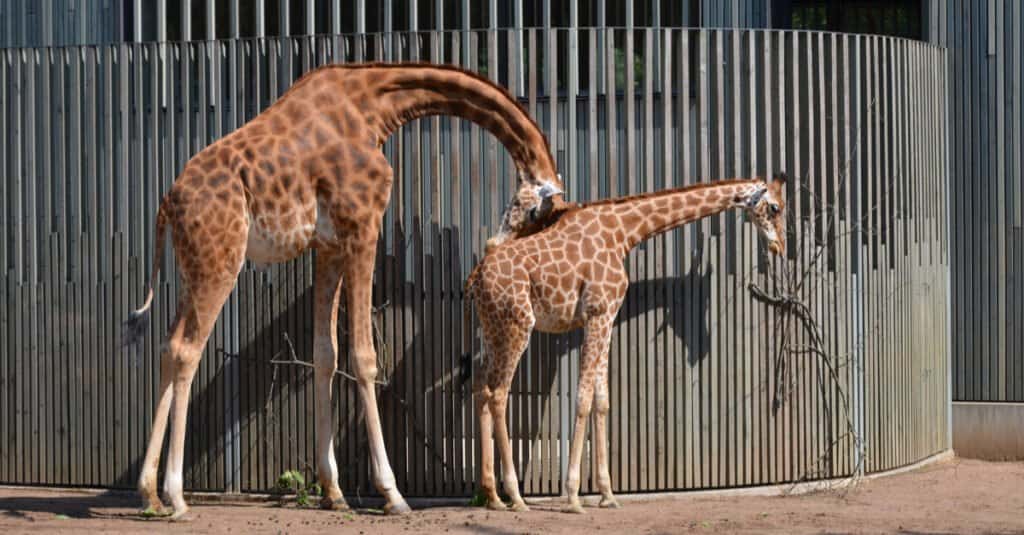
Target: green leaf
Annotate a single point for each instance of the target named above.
(478, 500)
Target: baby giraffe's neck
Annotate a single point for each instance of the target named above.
(643, 216)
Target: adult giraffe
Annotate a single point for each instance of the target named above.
(308, 172)
(571, 275)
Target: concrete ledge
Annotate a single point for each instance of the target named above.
(989, 431)
(786, 489)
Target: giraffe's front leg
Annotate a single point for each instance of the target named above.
(595, 348)
(326, 294)
(364, 359)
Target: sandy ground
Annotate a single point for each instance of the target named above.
(954, 496)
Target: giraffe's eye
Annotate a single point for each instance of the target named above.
(773, 209)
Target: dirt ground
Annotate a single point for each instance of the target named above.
(955, 496)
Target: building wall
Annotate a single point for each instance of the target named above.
(986, 75)
(33, 23)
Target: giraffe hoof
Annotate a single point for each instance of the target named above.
(610, 503)
(575, 508)
(397, 508)
(520, 507)
(334, 504)
(497, 505)
(183, 515)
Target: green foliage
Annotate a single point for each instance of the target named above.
(292, 482)
(149, 512)
(478, 499)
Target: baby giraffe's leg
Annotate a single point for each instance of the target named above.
(600, 438)
(503, 345)
(595, 347)
(516, 342)
(483, 394)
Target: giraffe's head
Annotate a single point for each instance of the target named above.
(532, 203)
(765, 205)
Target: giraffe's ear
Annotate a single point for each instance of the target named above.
(780, 177)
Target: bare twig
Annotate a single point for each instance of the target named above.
(295, 360)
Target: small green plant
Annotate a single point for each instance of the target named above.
(150, 512)
(63, 517)
(292, 482)
(478, 499)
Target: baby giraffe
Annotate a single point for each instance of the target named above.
(571, 275)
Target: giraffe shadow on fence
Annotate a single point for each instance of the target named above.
(426, 403)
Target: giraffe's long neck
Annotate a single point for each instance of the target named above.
(412, 92)
(644, 216)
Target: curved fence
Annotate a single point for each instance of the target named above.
(710, 386)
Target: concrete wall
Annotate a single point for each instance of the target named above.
(992, 431)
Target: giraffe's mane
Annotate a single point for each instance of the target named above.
(660, 193)
(439, 67)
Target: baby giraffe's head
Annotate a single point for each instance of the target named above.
(765, 205)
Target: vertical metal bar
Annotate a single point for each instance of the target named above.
(336, 15)
(1000, 226)
(6, 458)
(592, 127)
(260, 14)
(734, 462)
(704, 106)
(992, 22)
(517, 25)
(136, 21)
(611, 111)
(1016, 80)
(284, 18)
(946, 176)
(684, 114)
(310, 22)
(652, 399)
(492, 177)
(572, 91)
(684, 405)
(9, 225)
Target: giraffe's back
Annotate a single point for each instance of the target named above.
(303, 173)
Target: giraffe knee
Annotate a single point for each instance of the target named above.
(366, 365)
(601, 403)
(179, 356)
(324, 357)
(583, 404)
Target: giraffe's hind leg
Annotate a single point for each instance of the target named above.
(197, 313)
(209, 263)
(505, 345)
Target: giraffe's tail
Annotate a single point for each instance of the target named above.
(135, 327)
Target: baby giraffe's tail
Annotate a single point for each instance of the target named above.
(135, 327)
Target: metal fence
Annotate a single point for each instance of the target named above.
(986, 114)
(93, 135)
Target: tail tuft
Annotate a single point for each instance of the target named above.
(135, 327)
